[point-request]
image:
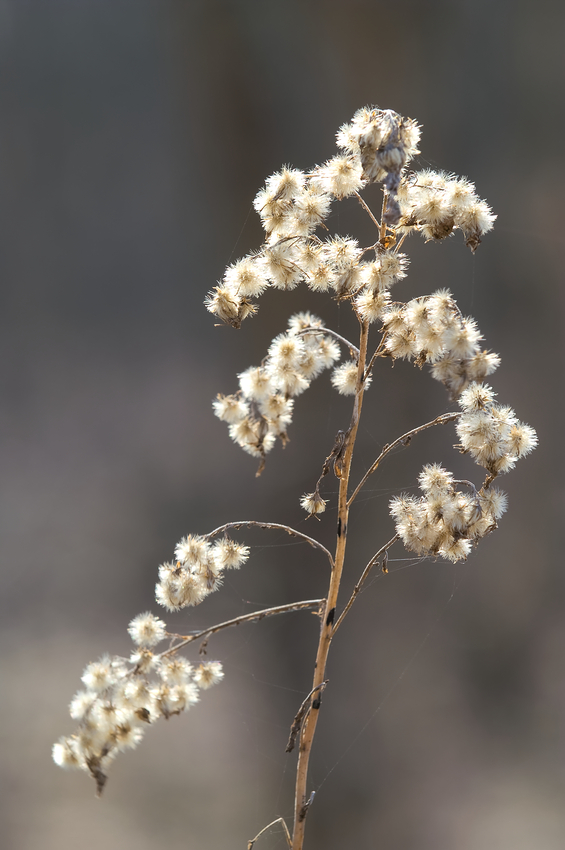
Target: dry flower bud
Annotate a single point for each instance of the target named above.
(313, 503)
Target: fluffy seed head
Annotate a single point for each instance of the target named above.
(208, 674)
(229, 554)
(344, 378)
(313, 503)
(147, 630)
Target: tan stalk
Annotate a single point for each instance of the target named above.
(236, 621)
(301, 800)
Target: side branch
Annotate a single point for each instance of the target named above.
(356, 590)
(251, 843)
(368, 210)
(244, 618)
(328, 332)
(297, 722)
(251, 523)
(403, 440)
(377, 353)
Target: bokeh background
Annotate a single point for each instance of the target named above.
(134, 137)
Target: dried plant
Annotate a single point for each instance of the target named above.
(122, 697)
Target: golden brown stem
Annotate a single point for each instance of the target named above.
(382, 233)
(301, 800)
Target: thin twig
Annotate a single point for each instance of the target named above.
(367, 209)
(404, 439)
(383, 222)
(328, 331)
(468, 484)
(251, 523)
(398, 245)
(377, 353)
(297, 722)
(361, 582)
(244, 618)
(265, 828)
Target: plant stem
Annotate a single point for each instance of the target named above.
(328, 332)
(361, 582)
(403, 440)
(243, 618)
(253, 523)
(367, 209)
(301, 799)
(378, 351)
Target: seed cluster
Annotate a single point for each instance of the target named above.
(262, 409)
(123, 696)
(432, 330)
(377, 146)
(197, 570)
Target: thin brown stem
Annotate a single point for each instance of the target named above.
(378, 352)
(398, 245)
(362, 580)
(367, 210)
(329, 332)
(382, 232)
(251, 523)
(297, 722)
(265, 828)
(404, 439)
(244, 618)
(302, 801)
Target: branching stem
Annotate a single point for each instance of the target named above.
(251, 523)
(244, 618)
(403, 440)
(297, 722)
(265, 828)
(302, 801)
(378, 352)
(328, 332)
(367, 209)
(362, 580)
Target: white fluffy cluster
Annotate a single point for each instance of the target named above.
(262, 409)
(432, 330)
(122, 697)
(445, 522)
(448, 522)
(384, 142)
(313, 503)
(435, 203)
(377, 146)
(490, 432)
(197, 570)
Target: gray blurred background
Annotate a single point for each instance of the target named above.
(135, 135)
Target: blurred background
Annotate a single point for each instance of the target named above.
(135, 135)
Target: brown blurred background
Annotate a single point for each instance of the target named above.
(134, 137)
